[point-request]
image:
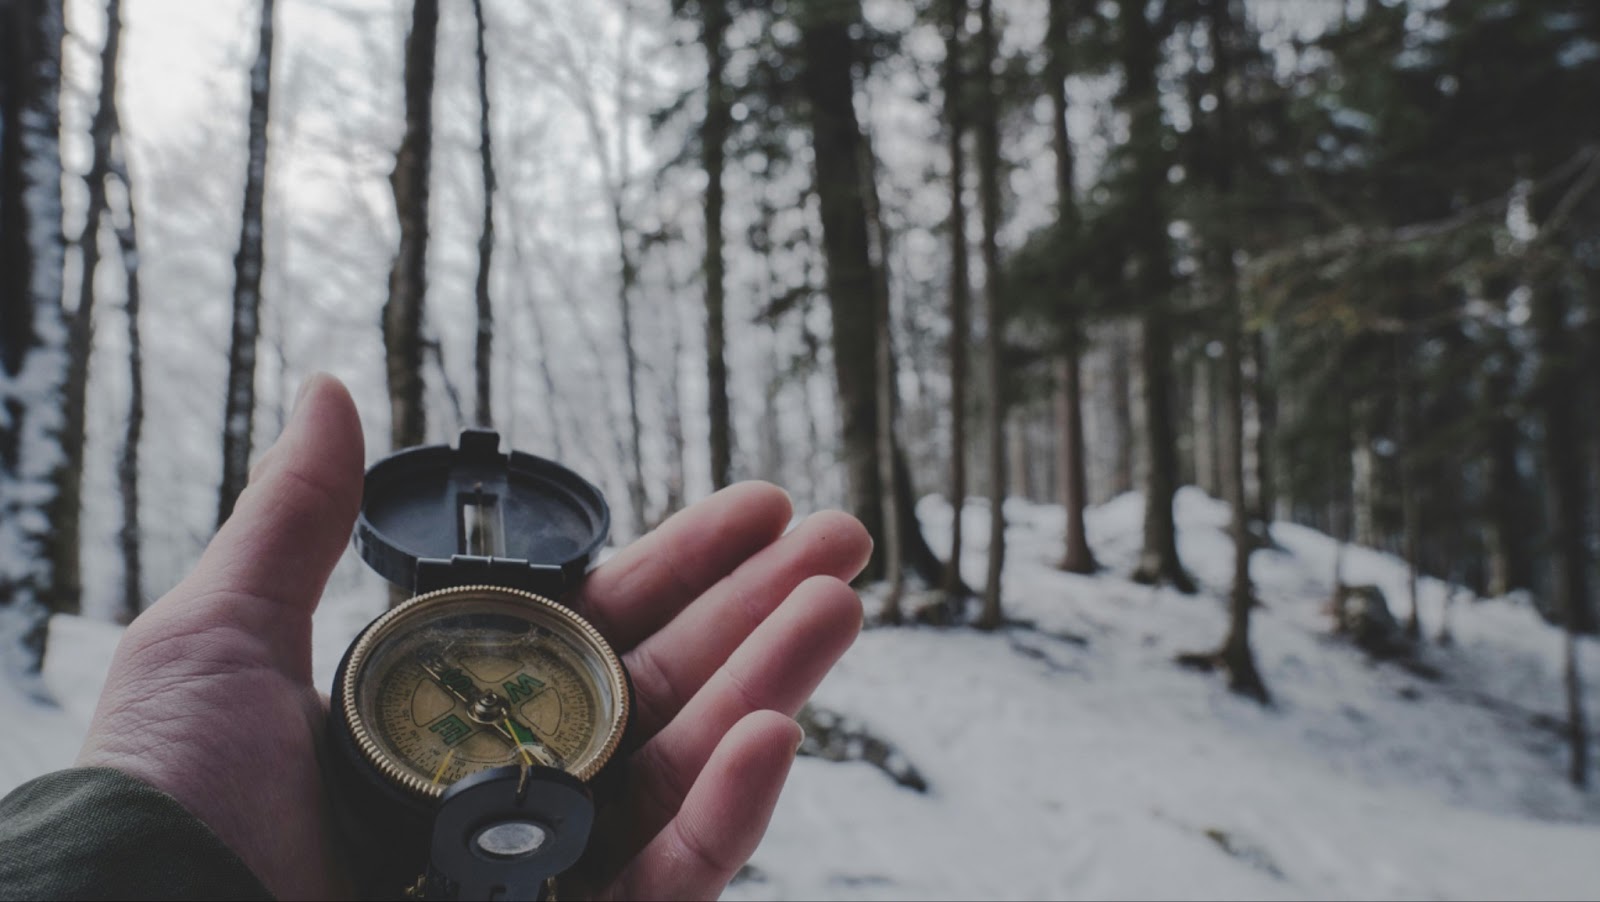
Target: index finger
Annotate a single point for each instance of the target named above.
(640, 590)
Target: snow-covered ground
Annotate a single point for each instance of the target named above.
(1072, 759)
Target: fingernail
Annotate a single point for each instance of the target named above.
(800, 734)
(300, 396)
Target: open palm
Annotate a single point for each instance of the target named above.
(726, 624)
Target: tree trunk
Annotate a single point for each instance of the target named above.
(1563, 472)
(828, 50)
(1507, 564)
(1577, 729)
(239, 410)
(66, 537)
(1158, 561)
(1266, 398)
(892, 559)
(1072, 479)
(1237, 657)
(129, 537)
(960, 287)
(483, 356)
(1410, 505)
(987, 129)
(713, 150)
(408, 278)
(1121, 380)
(33, 342)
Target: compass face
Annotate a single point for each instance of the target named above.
(462, 680)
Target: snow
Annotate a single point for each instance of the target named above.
(1072, 759)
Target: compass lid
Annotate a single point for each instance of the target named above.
(436, 516)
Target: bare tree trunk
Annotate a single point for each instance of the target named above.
(637, 498)
(987, 129)
(1577, 729)
(33, 341)
(1507, 564)
(1141, 52)
(1070, 459)
(828, 48)
(408, 278)
(129, 537)
(1564, 493)
(895, 571)
(1235, 655)
(66, 534)
(1121, 413)
(483, 356)
(239, 411)
(672, 414)
(1410, 505)
(960, 286)
(541, 335)
(713, 150)
(1267, 419)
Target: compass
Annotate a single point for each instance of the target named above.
(474, 726)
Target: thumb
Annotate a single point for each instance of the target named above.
(265, 569)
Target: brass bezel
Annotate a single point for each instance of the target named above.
(421, 605)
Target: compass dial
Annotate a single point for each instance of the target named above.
(467, 679)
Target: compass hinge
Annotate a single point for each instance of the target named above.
(470, 570)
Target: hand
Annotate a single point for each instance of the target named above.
(726, 625)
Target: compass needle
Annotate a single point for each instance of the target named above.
(442, 765)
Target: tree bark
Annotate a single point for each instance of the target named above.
(960, 286)
(1266, 398)
(713, 150)
(130, 536)
(66, 538)
(1235, 655)
(33, 342)
(1120, 366)
(987, 129)
(1557, 399)
(830, 89)
(239, 409)
(1410, 504)
(1507, 564)
(408, 278)
(1070, 460)
(892, 559)
(1158, 561)
(483, 352)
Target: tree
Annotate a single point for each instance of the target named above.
(1235, 654)
(33, 342)
(955, 115)
(987, 129)
(483, 357)
(1070, 462)
(713, 153)
(408, 278)
(129, 536)
(840, 178)
(66, 537)
(836, 138)
(239, 410)
(1146, 225)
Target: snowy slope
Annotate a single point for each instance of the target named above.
(1062, 770)
(1072, 759)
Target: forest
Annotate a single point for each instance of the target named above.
(1332, 263)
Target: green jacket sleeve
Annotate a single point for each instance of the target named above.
(97, 833)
